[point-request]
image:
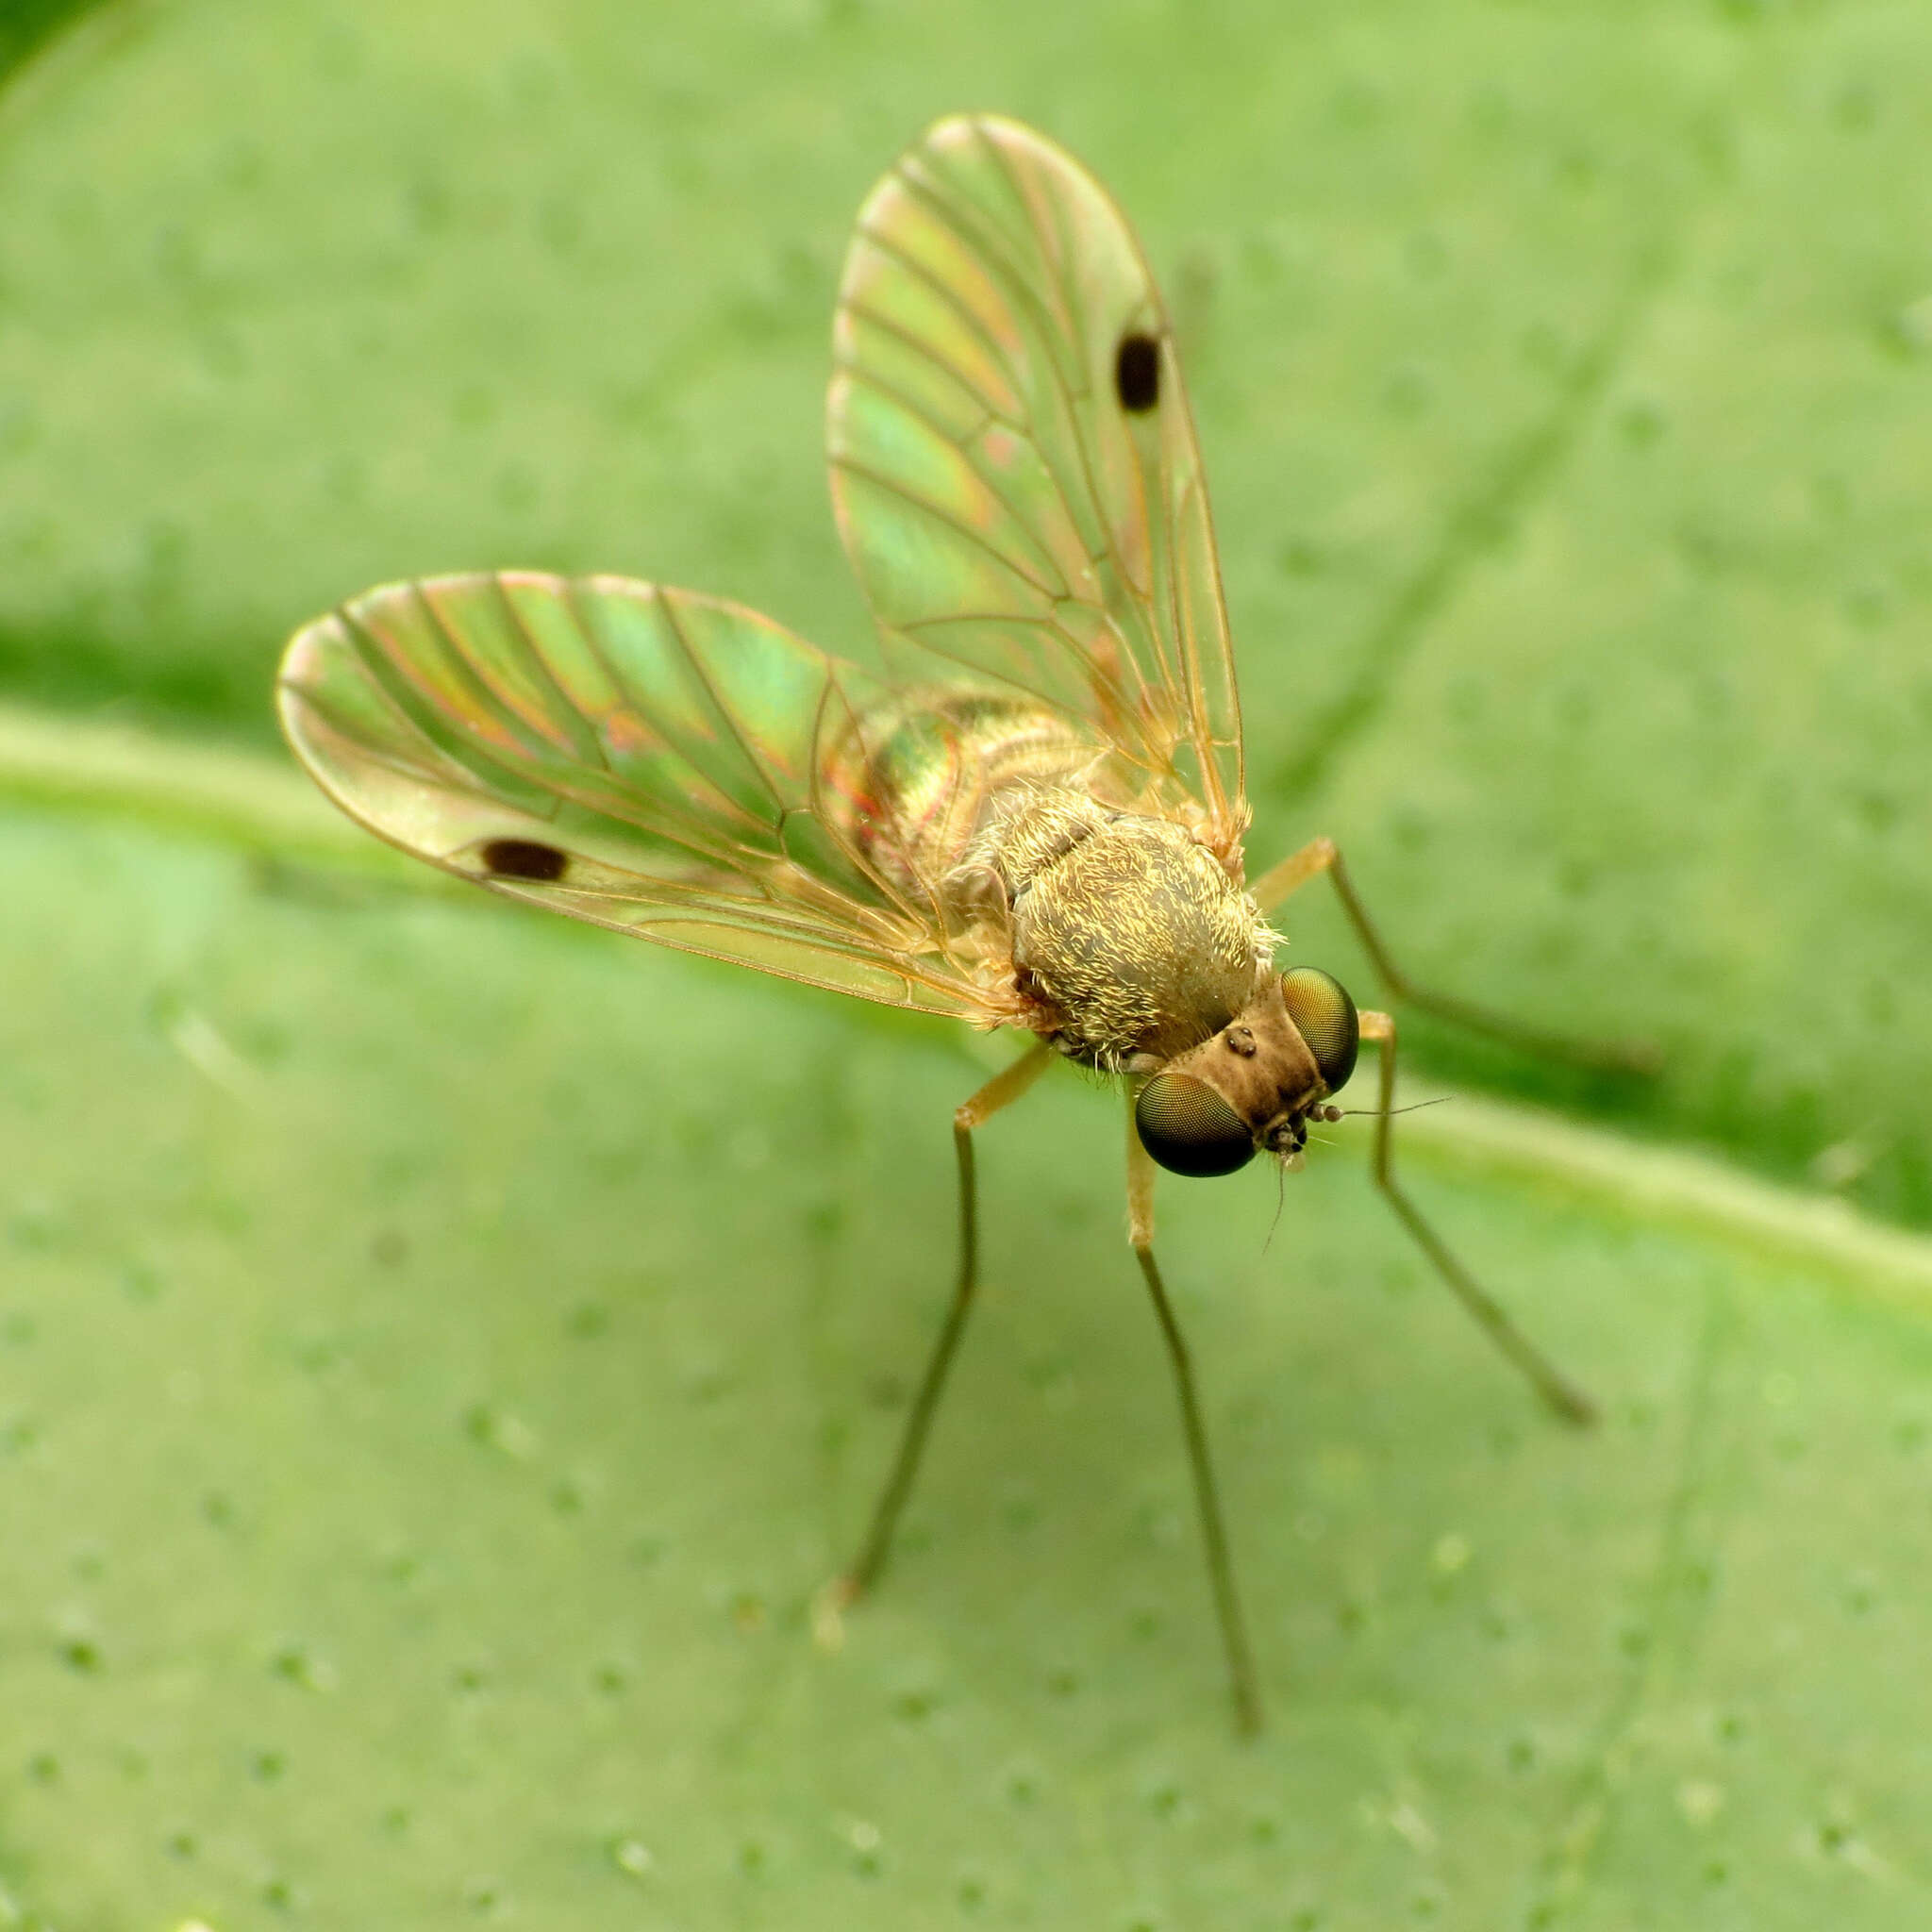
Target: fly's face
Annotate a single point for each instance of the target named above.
(1254, 1086)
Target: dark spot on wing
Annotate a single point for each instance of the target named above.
(1136, 373)
(524, 858)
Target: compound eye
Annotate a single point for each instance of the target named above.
(1189, 1128)
(1324, 1016)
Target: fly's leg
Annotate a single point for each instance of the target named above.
(1555, 1388)
(1323, 856)
(1001, 1091)
(1234, 1634)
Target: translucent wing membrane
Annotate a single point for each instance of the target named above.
(1019, 490)
(642, 758)
(1014, 465)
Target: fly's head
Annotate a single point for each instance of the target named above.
(1254, 1087)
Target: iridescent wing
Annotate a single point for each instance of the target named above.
(1014, 465)
(642, 758)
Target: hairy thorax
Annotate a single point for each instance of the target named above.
(1127, 933)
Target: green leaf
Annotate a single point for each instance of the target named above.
(441, 1357)
(442, 1354)
(26, 26)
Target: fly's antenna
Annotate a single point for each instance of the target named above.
(1389, 1112)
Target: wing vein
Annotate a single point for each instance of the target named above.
(917, 271)
(1019, 292)
(587, 737)
(965, 532)
(719, 706)
(1042, 553)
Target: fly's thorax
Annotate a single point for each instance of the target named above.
(1125, 930)
(1031, 831)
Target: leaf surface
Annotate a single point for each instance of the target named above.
(441, 1355)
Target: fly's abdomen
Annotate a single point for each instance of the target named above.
(923, 775)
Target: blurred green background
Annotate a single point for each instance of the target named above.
(441, 1354)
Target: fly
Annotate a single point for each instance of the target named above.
(1034, 819)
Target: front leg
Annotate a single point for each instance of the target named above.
(1002, 1091)
(1324, 856)
(1234, 1633)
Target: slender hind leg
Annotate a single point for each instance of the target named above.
(1555, 1387)
(1001, 1091)
(1322, 855)
(1234, 1634)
